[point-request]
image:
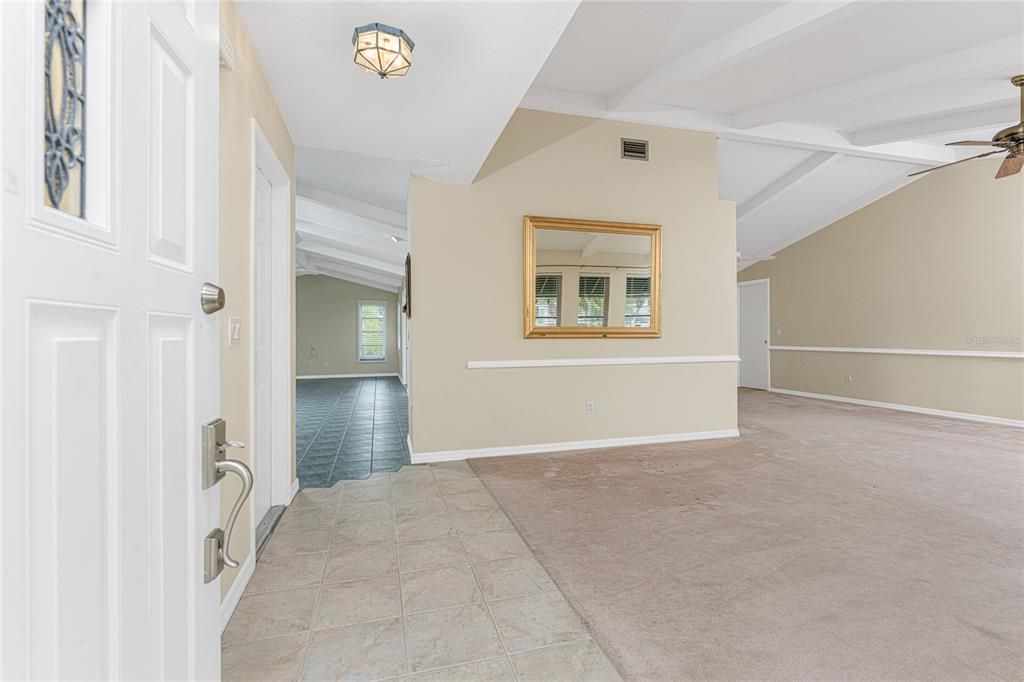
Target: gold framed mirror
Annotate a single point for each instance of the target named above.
(590, 279)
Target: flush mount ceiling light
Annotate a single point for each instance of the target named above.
(383, 50)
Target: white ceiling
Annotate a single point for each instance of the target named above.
(358, 137)
(820, 107)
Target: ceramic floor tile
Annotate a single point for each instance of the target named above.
(268, 615)
(365, 651)
(288, 543)
(357, 601)
(503, 544)
(491, 670)
(428, 554)
(361, 561)
(461, 485)
(419, 506)
(436, 639)
(469, 501)
(277, 658)
(371, 532)
(287, 572)
(536, 620)
(425, 526)
(439, 588)
(513, 577)
(481, 521)
(354, 513)
(305, 519)
(573, 662)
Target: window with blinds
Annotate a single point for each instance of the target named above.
(548, 291)
(592, 309)
(638, 302)
(372, 331)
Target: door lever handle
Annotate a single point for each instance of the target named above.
(244, 473)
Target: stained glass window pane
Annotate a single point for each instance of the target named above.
(64, 106)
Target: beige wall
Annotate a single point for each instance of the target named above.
(469, 239)
(935, 265)
(244, 95)
(326, 330)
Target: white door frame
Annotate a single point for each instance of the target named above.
(279, 311)
(768, 346)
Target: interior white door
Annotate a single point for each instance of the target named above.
(262, 417)
(754, 328)
(109, 365)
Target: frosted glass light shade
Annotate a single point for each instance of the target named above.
(383, 50)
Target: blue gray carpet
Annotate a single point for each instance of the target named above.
(349, 428)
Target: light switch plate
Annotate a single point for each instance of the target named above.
(234, 331)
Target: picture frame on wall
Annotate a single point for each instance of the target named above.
(407, 306)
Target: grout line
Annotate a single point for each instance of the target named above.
(398, 577)
(341, 441)
(318, 429)
(486, 604)
(319, 589)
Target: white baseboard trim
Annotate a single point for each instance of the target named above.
(227, 606)
(451, 455)
(1002, 421)
(295, 490)
(347, 376)
(599, 362)
(1013, 355)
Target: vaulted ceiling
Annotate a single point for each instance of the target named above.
(819, 107)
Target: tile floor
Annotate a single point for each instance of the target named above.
(348, 428)
(413, 575)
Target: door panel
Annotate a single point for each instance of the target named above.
(108, 364)
(753, 333)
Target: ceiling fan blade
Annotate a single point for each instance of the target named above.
(972, 143)
(1011, 166)
(946, 165)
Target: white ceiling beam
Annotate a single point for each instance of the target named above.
(341, 256)
(967, 118)
(358, 276)
(373, 246)
(996, 56)
(794, 136)
(780, 187)
(312, 191)
(593, 246)
(860, 202)
(779, 27)
(333, 217)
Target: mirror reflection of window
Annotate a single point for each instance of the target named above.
(548, 292)
(593, 302)
(638, 301)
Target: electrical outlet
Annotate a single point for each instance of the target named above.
(590, 407)
(848, 377)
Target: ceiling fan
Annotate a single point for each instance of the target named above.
(1009, 140)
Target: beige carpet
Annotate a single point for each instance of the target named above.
(830, 541)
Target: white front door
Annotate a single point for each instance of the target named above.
(753, 333)
(108, 364)
(262, 418)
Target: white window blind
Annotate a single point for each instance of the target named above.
(638, 302)
(548, 291)
(372, 331)
(592, 310)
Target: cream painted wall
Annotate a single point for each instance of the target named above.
(468, 239)
(939, 264)
(244, 95)
(326, 320)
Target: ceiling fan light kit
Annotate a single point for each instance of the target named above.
(1009, 140)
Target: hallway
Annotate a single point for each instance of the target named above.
(349, 428)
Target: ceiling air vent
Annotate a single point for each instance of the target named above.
(635, 149)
